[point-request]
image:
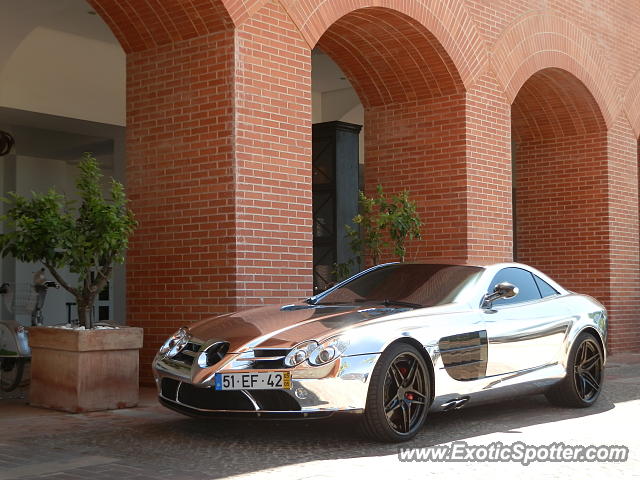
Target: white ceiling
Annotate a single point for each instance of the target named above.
(21, 17)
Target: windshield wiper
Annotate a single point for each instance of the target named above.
(387, 302)
(400, 303)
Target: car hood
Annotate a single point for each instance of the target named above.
(284, 327)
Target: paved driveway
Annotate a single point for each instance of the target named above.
(152, 442)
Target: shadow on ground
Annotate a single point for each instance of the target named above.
(218, 448)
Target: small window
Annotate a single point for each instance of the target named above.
(527, 288)
(546, 290)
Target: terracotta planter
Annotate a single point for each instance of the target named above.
(84, 370)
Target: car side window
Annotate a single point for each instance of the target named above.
(527, 288)
(546, 290)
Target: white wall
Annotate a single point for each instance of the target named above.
(336, 103)
(316, 107)
(64, 74)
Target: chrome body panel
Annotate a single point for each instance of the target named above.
(477, 354)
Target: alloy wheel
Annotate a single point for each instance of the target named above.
(405, 393)
(588, 370)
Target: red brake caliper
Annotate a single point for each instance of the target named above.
(404, 371)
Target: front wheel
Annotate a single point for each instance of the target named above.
(399, 395)
(11, 370)
(585, 372)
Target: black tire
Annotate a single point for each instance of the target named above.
(582, 385)
(399, 395)
(11, 370)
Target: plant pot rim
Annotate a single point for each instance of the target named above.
(122, 338)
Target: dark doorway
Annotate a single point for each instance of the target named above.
(335, 197)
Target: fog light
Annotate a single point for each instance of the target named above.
(301, 393)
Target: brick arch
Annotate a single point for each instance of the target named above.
(414, 118)
(560, 158)
(446, 20)
(390, 58)
(542, 41)
(632, 104)
(553, 103)
(140, 26)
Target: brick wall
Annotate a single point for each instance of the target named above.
(488, 171)
(273, 160)
(420, 147)
(562, 210)
(219, 123)
(181, 264)
(622, 153)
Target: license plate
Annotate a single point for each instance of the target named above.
(253, 381)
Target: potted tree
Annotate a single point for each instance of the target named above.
(83, 368)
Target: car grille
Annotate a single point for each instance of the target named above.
(207, 398)
(262, 358)
(206, 357)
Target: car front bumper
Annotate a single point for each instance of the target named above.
(343, 389)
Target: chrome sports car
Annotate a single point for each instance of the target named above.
(392, 343)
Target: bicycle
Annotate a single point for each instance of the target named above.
(15, 351)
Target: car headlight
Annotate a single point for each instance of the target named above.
(175, 342)
(300, 353)
(328, 350)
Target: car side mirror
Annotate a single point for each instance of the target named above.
(501, 290)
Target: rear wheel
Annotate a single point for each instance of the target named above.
(583, 383)
(11, 370)
(399, 394)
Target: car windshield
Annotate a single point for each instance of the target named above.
(415, 285)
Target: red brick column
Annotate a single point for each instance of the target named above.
(181, 263)
(488, 172)
(272, 135)
(453, 154)
(624, 252)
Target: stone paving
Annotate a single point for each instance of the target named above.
(153, 442)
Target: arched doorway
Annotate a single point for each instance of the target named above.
(560, 182)
(414, 119)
